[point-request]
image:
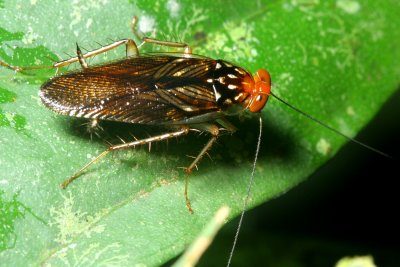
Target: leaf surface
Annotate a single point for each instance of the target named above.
(336, 60)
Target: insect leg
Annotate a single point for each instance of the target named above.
(186, 47)
(16, 68)
(182, 131)
(227, 125)
(213, 129)
(131, 50)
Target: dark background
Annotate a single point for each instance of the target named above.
(347, 208)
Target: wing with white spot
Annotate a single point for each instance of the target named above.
(148, 89)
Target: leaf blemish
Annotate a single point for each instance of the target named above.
(236, 40)
(348, 6)
(350, 111)
(72, 222)
(173, 7)
(323, 146)
(92, 255)
(146, 24)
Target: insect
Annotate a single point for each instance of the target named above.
(182, 91)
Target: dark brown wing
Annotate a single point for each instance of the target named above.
(148, 89)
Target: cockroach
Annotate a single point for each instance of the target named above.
(183, 91)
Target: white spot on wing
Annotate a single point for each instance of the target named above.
(179, 73)
(237, 97)
(217, 96)
(228, 101)
(239, 71)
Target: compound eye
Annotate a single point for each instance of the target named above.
(258, 102)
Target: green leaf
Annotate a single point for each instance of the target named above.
(336, 60)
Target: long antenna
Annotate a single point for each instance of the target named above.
(246, 201)
(332, 129)
(256, 157)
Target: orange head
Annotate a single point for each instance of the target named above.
(258, 89)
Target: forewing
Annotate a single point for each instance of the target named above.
(146, 89)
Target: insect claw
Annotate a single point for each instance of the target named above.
(70, 179)
(188, 205)
(64, 184)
